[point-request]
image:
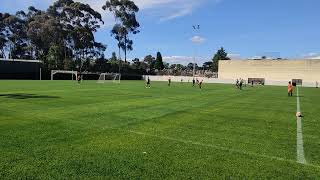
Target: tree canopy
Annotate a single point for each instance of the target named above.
(221, 54)
(63, 32)
(63, 37)
(124, 12)
(159, 63)
(150, 61)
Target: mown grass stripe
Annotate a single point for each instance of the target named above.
(220, 148)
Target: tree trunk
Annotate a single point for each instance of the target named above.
(119, 57)
(125, 48)
(2, 54)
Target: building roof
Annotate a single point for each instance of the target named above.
(20, 60)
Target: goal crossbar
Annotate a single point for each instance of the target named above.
(53, 72)
(109, 77)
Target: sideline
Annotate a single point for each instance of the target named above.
(300, 150)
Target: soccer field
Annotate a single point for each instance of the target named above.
(61, 130)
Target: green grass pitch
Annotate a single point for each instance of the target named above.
(61, 130)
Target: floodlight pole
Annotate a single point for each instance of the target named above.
(194, 64)
(196, 28)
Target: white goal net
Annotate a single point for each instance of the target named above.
(109, 77)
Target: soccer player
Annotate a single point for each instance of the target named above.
(79, 78)
(193, 82)
(237, 83)
(241, 83)
(169, 81)
(148, 83)
(290, 89)
(251, 83)
(200, 84)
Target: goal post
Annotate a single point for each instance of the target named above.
(109, 77)
(73, 73)
(260, 81)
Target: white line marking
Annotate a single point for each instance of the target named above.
(300, 150)
(220, 148)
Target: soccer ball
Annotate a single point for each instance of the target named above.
(298, 114)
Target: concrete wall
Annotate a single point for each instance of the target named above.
(275, 72)
(219, 80)
(189, 79)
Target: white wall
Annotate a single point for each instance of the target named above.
(189, 79)
(275, 72)
(218, 81)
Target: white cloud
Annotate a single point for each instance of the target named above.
(312, 55)
(184, 60)
(234, 56)
(179, 11)
(163, 9)
(197, 39)
(178, 59)
(255, 57)
(169, 9)
(175, 15)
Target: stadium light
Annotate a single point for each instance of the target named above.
(196, 28)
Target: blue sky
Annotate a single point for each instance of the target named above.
(245, 28)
